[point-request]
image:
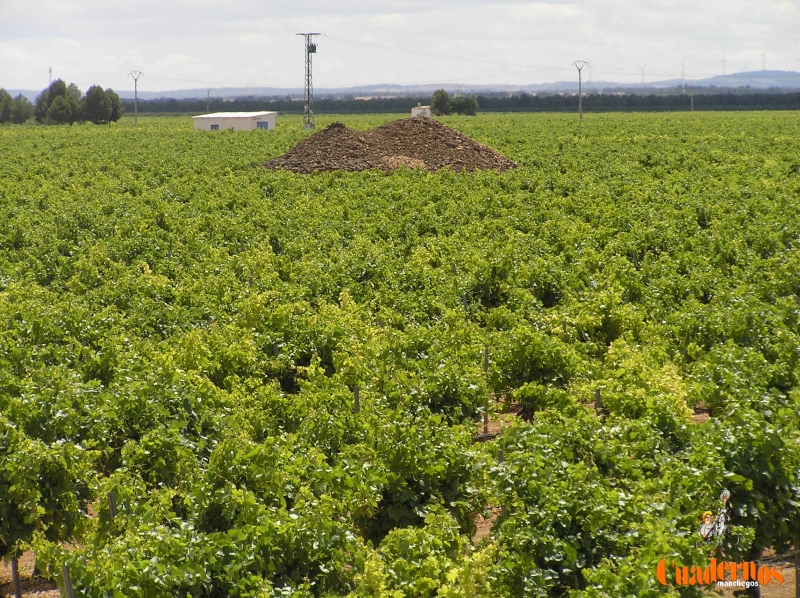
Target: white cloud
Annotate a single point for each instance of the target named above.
(249, 42)
(12, 54)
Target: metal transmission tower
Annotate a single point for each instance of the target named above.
(308, 97)
(135, 75)
(642, 67)
(579, 64)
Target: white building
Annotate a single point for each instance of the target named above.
(421, 111)
(239, 121)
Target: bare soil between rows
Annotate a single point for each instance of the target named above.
(31, 586)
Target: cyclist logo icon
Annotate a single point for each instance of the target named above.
(715, 529)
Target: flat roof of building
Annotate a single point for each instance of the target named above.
(234, 114)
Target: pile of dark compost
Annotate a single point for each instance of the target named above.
(411, 142)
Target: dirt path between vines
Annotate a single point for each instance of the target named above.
(31, 587)
(497, 421)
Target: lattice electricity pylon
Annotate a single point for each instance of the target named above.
(308, 97)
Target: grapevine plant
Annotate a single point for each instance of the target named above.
(187, 330)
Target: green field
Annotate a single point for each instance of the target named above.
(185, 329)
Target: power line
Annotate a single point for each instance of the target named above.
(521, 66)
(642, 67)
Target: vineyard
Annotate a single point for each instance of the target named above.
(186, 329)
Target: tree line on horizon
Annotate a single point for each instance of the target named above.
(61, 104)
(522, 102)
(15, 110)
(443, 104)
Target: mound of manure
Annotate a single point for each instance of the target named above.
(411, 142)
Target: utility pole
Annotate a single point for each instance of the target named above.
(135, 75)
(308, 96)
(579, 64)
(49, 75)
(642, 67)
(682, 64)
(208, 99)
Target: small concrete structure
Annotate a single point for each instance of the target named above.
(239, 121)
(421, 111)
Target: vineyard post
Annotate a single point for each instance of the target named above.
(356, 406)
(15, 578)
(67, 582)
(500, 462)
(598, 405)
(796, 576)
(486, 375)
(112, 505)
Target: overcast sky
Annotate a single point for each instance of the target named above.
(181, 44)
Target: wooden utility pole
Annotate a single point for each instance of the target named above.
(579, 64)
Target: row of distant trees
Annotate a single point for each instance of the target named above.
(442, 103)
(62, 104)
(14, 110)
(488, 103)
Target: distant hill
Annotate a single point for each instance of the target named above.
(756, 80)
